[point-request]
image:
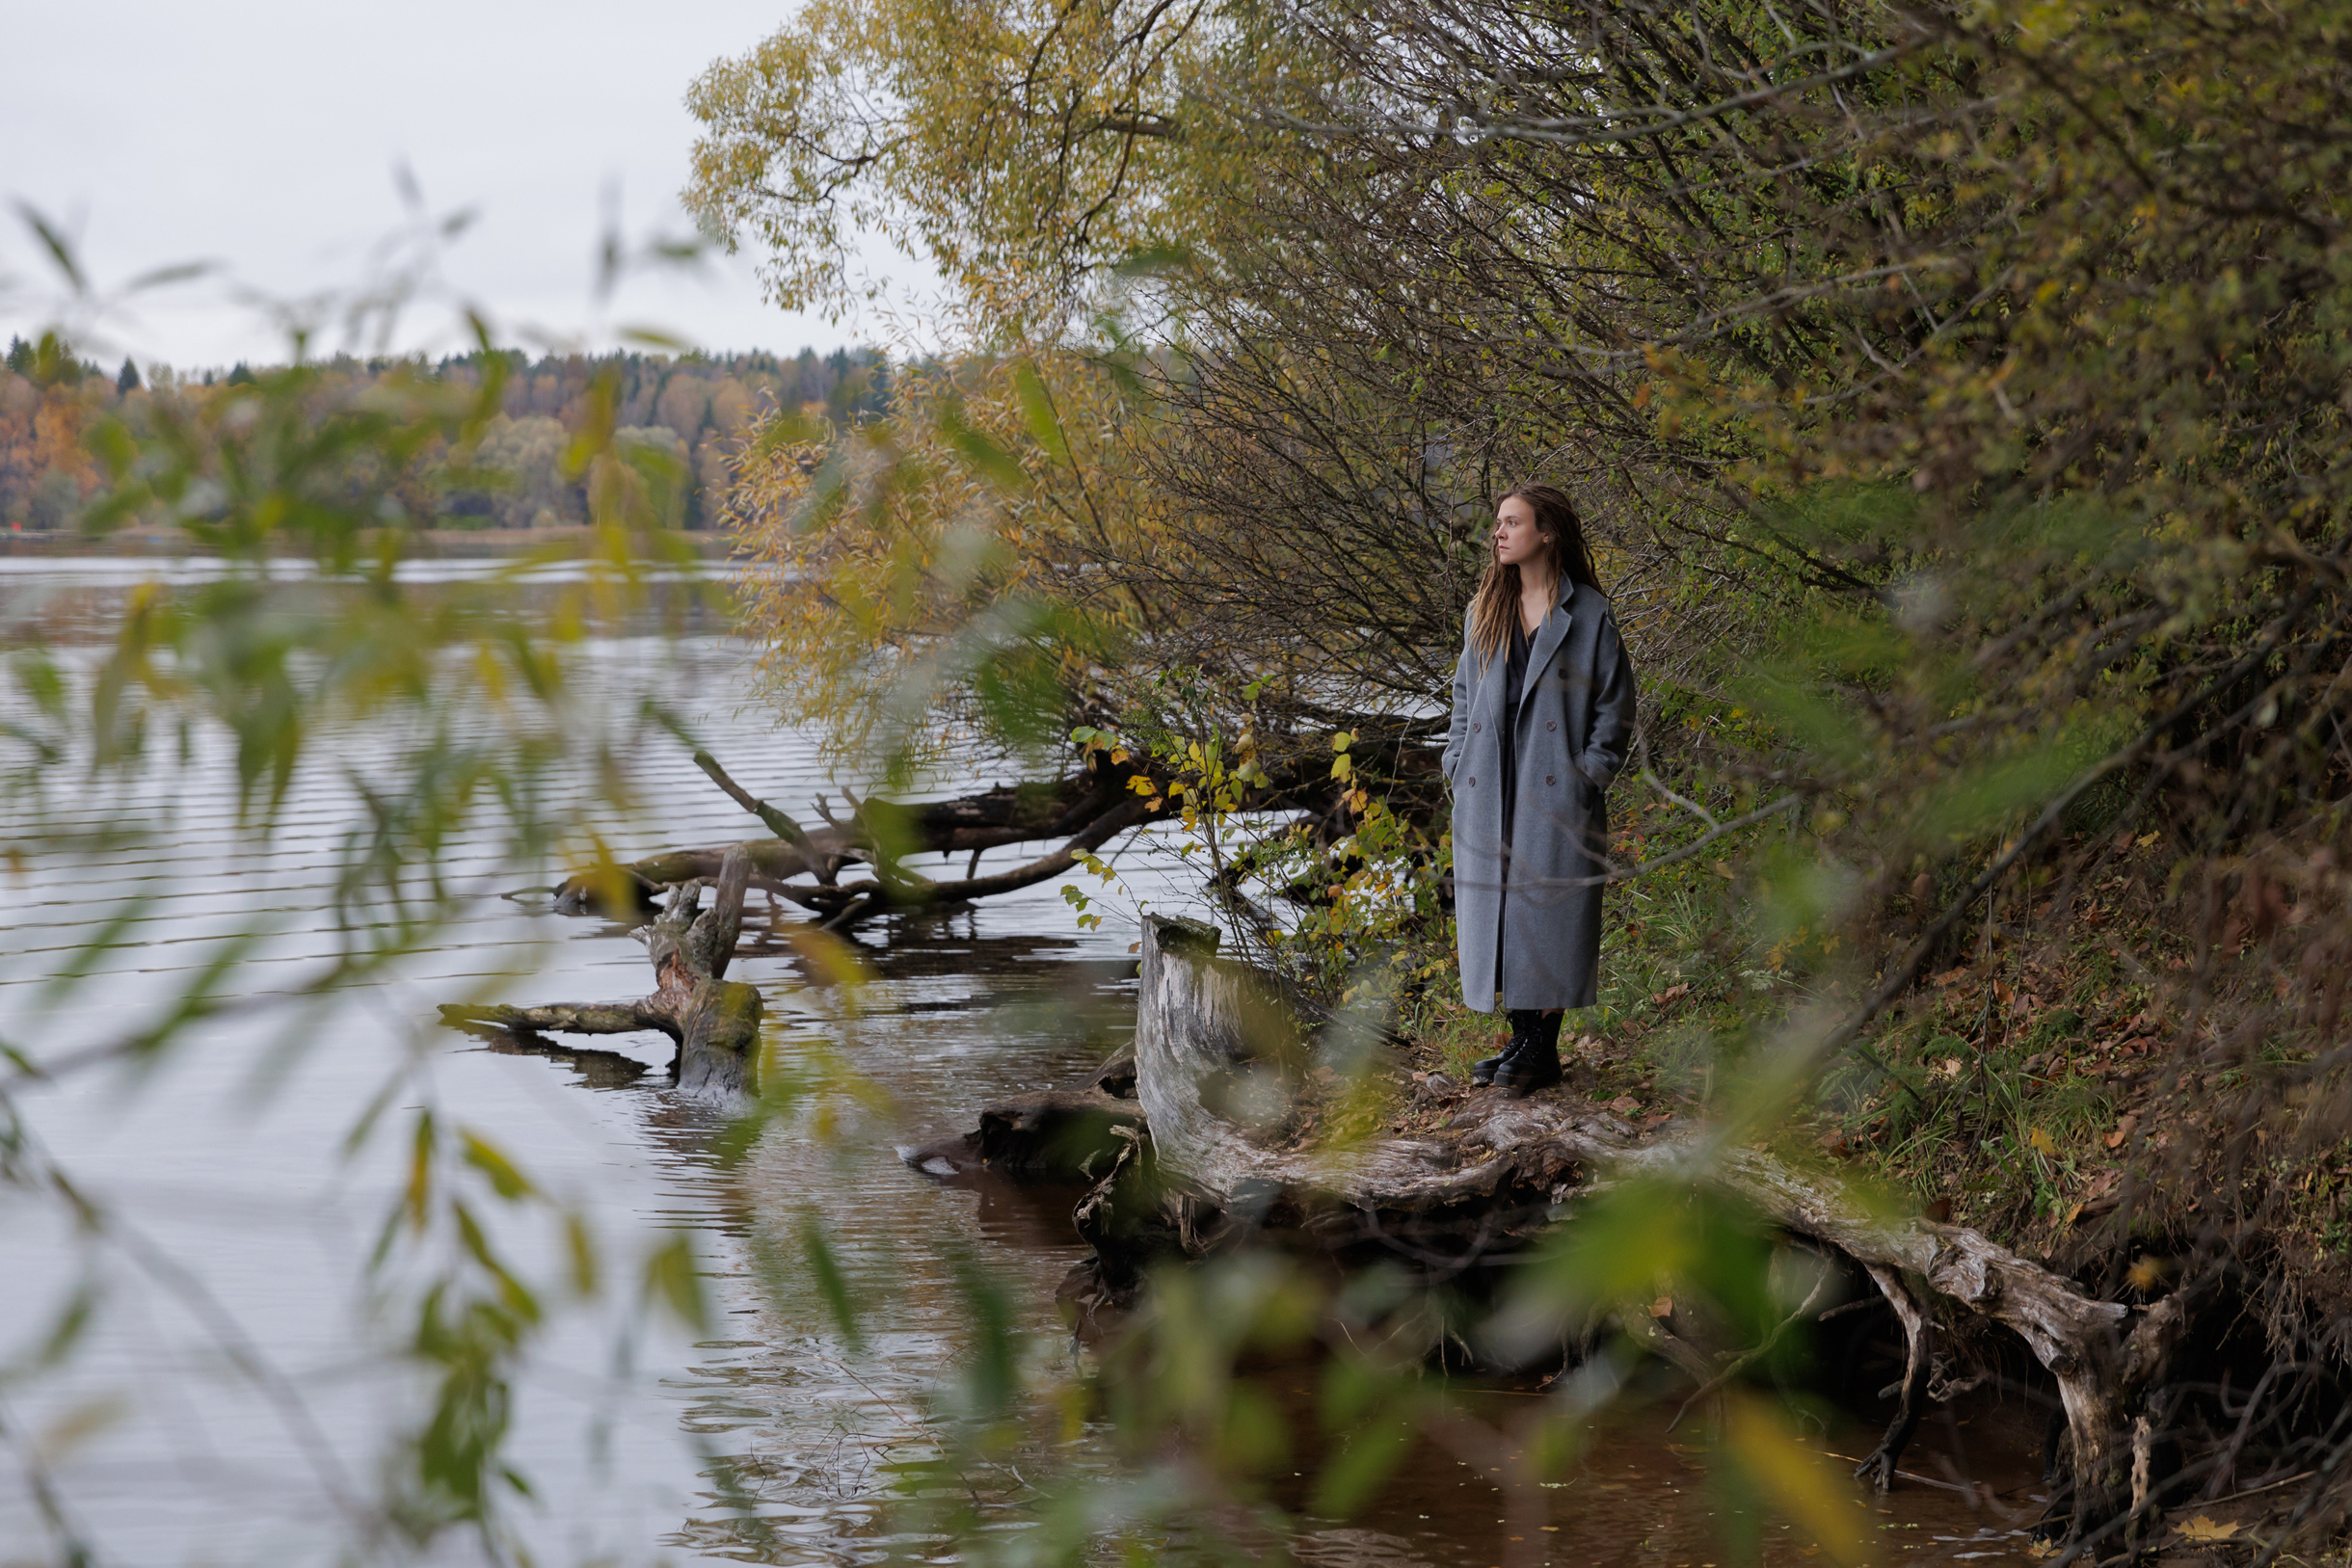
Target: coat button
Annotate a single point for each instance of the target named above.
(1474, 729)
(1549, 725)
(1547, 779)
(1474, 780)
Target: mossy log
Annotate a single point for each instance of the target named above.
(1209, 1072)
(715, 1021)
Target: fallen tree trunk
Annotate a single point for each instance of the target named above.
(715, 1021)
(1211, 1070)
(1109, 795)
(1088, 810)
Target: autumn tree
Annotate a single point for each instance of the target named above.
(1026, 159)
(1959, 391)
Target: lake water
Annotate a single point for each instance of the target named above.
(233, 1393)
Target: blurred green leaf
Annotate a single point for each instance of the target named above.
(832, 1282)
(504, 1180)
(1795, 1479)
(674, 1276)
(1372, 1449)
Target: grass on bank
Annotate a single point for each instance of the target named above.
(2061, 1081)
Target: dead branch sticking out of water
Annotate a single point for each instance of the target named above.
(714, 1020)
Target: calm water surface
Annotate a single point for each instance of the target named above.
(246, 1225)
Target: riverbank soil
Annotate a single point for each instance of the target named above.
(2079, 1081)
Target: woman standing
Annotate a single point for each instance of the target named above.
(1543, 712)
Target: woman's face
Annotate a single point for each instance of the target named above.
(1516, 543)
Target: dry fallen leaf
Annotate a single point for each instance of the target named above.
(1948, 976)
(2123, 1130)
(1663, 1307)
(2041, 1141)
(2202, 1529)
(1624, 1105)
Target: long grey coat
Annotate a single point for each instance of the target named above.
(1575, 720)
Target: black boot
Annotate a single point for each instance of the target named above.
(1482, 1072)
(1533, 1061)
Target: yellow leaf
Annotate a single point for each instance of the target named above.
(484, 1157)
(2202, 1529)
(671, 1272)
(78, 1425)
(1814, 1497)
(420, 1172)
(2041, 1141)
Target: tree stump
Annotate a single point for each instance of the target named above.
(715, 1021)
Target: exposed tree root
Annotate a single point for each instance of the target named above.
(714, 1020)
(1209, 1077)
(1918, 1349)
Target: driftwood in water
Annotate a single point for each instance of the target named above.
(1050, 1135)
(1085, 810)
(715, 1021)
(1207, 1057)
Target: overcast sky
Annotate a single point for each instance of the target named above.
(264, 135)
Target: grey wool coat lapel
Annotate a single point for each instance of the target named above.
(1528, 914)
(1548, 637)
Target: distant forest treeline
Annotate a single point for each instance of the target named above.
(690, 409)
